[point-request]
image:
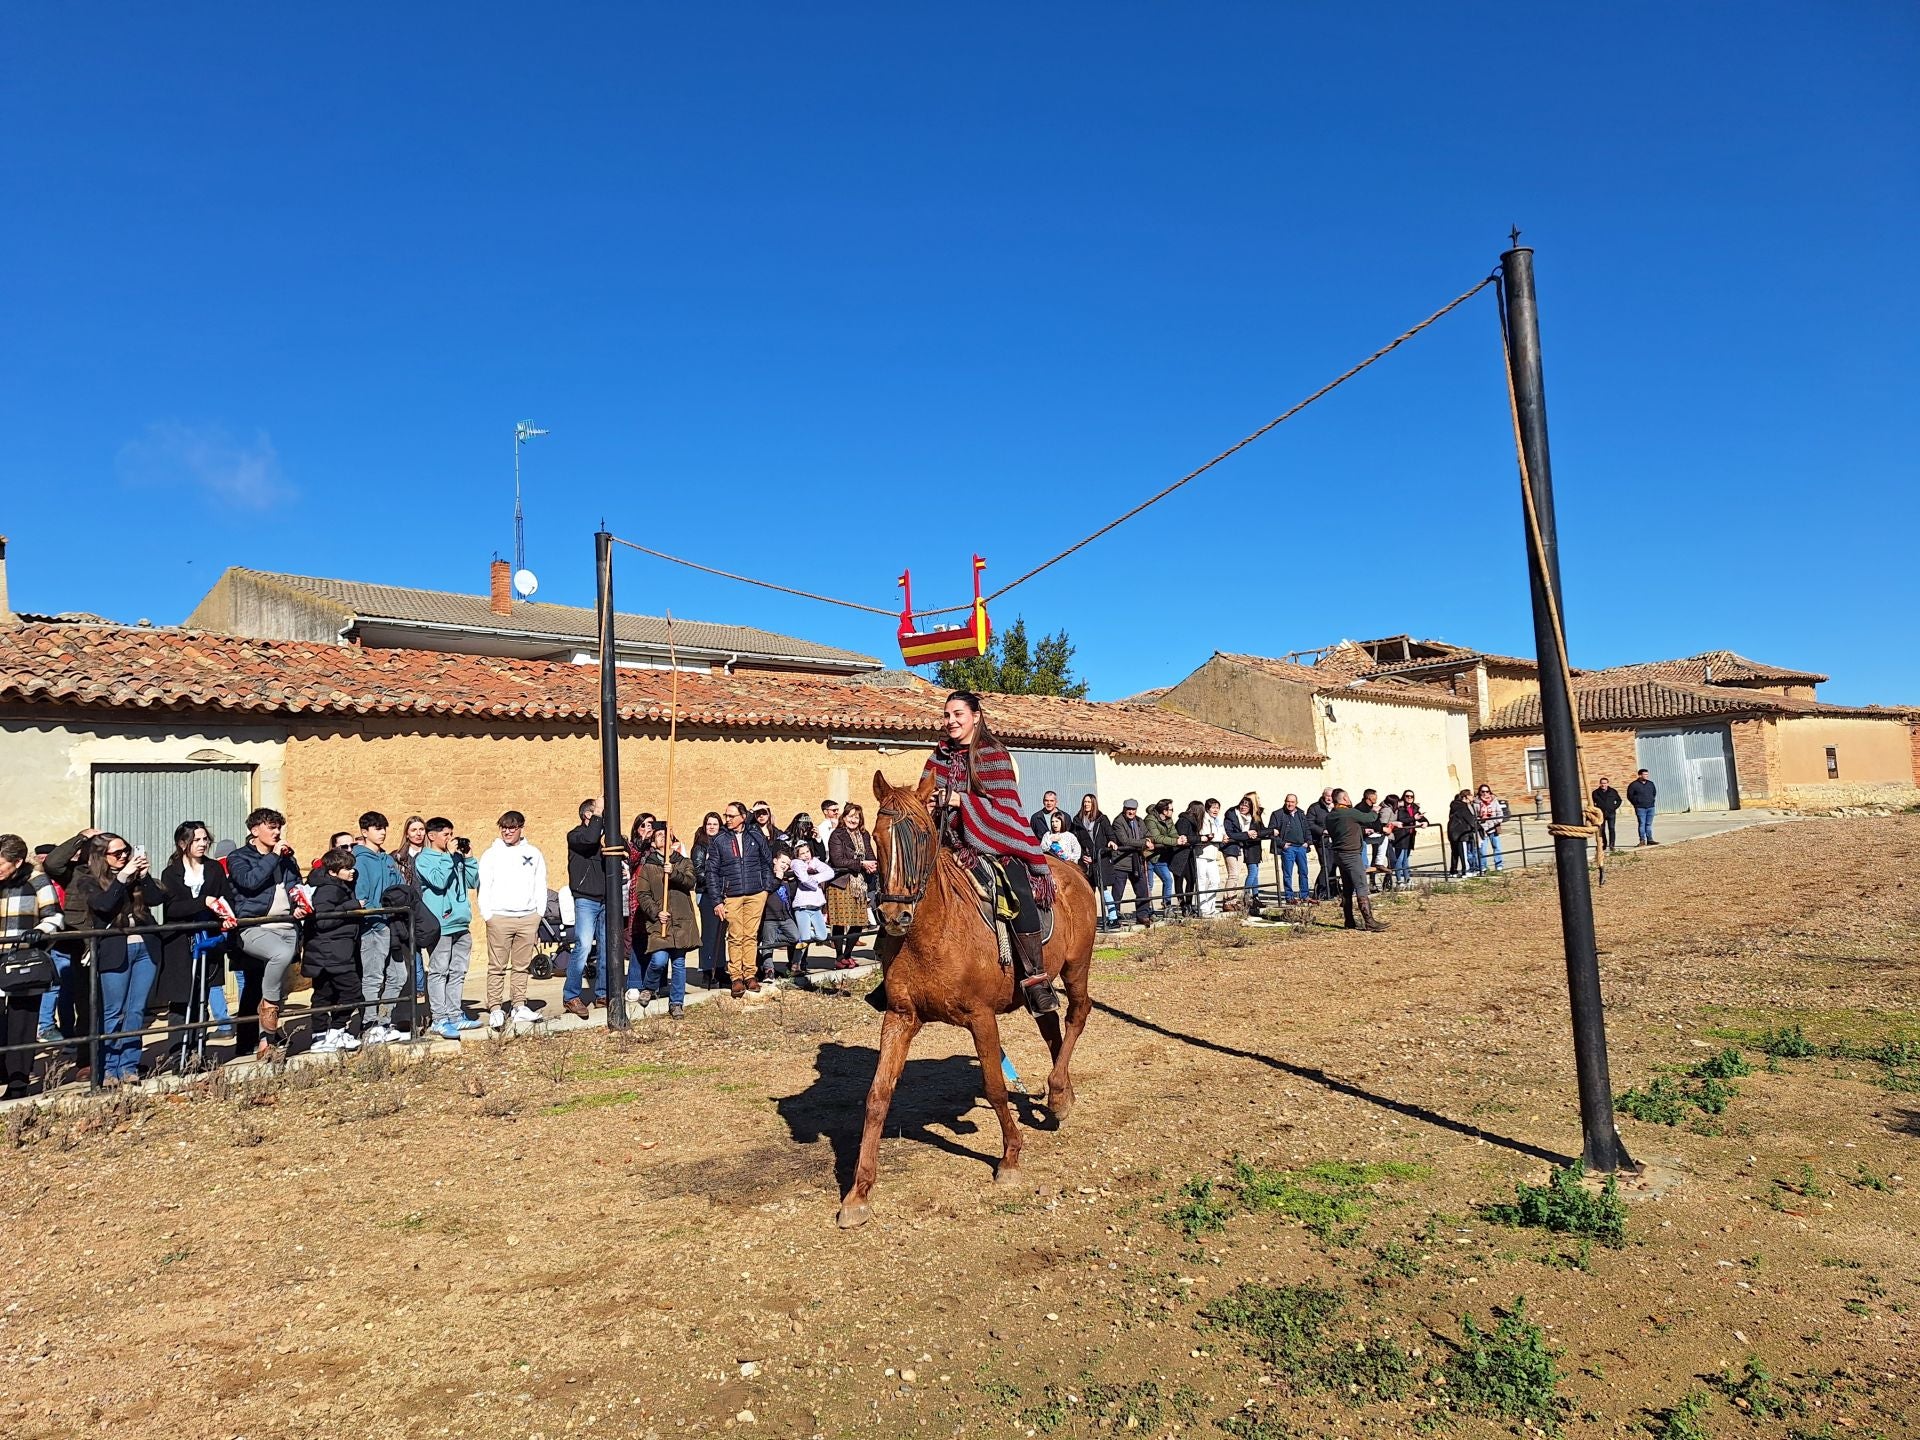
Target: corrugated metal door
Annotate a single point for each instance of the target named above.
(145, 802)
(1692, 769)
(1068, 773)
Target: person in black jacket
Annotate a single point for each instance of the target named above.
(1042, 819)
(1463, 834)
(183, 983)
(1094, 831)
(1640, 795)
(1606, 800)
(1189, 826)
(1322, 843)
(739, 875)
(1291, 837)
(332, 955)
(1347, 827)
(587, 879)
(1127, 861)
(119, 892)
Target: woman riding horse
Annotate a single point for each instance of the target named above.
(977, 807)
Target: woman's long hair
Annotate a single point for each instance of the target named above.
(133, 910)
(183, 834)
(983, 739)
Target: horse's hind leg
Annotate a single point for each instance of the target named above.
(896, 1034)
(986, 1043)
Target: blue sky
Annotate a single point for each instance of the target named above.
(821, 291)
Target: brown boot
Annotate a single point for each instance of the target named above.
(1366, 917)
(270, 1037)
(1028, 963)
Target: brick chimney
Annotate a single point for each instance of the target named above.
(7, 617)
(502, 603)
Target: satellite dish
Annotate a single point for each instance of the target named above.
(524, 584)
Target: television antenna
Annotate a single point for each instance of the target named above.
(524, 431)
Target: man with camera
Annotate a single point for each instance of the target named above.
(448, 873)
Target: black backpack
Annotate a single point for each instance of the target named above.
(426, 928)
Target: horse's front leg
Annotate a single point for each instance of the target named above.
(896, 1034)
(986, 1043)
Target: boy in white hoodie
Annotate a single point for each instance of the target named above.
(513, 896)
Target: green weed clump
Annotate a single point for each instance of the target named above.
(1790, 1043)
(1509, 1373)
(1729, 1064)
(1752, 1391)
(1565, 1206)
(1682, 1422)
(1286, 1328)
(1661, 1103)
(1329, 1198)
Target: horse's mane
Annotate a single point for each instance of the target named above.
(947, 875)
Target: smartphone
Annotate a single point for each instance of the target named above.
(139, 852)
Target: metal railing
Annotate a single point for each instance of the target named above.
(198, 999)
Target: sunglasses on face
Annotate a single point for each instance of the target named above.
(115, 854)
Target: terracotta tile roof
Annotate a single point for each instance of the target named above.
(1326, 681)
(189, 670)
(358, 600)
(1711, 667)
(1602, 701)
(1351, 659)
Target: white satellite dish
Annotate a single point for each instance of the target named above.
(524, 584)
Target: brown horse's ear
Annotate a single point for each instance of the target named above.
(925, 789)
(881, 789)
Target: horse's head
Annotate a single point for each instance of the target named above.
(904, 844)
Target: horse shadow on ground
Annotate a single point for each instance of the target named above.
(933, 1096)
(1316, 1076)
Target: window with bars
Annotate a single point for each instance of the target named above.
(1833, 762)
(1536, 770)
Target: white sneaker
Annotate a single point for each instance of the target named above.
(379, 1035)
(633, 996)
(345, 1040)
(496, 1017)
(523, 1016)
(327, 1044)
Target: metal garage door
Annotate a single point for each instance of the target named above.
(1692, 768)
(145, 802)
(1068, 773)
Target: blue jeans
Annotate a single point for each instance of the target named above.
(1493, 848)
(1253, 884)
(1645, 817)
(665, 965)
(217, 1006)
(123, 1005)
(57, 1005)
(588, 916)
(1402, 857)
(1476, 861)
(1292, 858)
(1164, 873)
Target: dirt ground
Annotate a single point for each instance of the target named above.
(611, 1235)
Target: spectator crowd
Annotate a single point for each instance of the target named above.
(380, 927)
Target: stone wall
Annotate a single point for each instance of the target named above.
(1501, 761)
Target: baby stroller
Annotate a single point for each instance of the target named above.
(553, 942)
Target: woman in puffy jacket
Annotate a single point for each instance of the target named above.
(119, 892)
(665, 884)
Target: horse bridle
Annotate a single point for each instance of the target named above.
(912, 857)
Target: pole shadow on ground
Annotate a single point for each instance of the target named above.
(1315, 1076)
(932, 1096)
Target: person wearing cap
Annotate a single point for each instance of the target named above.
(1640, 795)
(1127, 861)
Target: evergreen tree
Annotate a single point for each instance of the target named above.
(1012, 666)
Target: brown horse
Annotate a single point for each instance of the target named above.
(942, 963)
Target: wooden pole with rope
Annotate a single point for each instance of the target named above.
(613, 948)
(1526, 392)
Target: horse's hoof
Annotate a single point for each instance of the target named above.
(853, 1214)
(1060, 1109)
(1007, 1179)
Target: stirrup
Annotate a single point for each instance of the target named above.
(1040, 996)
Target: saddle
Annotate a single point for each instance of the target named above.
(994, 899)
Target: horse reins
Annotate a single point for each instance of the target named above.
(909, 855)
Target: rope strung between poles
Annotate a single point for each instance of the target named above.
(1592, 829)
(763, 584)
(1154, 499)
(1233, 449)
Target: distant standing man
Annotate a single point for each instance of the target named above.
(513, 897)
(823, 832)
(1127, 861)
(1042, 819)
(1640, 795)
(1291, 836)
(1347, 828)
(739, 875)
(1322, 843)
(1606, 800)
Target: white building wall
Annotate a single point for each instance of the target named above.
(1394, 747)
(46, 769)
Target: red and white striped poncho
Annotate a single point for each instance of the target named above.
(989, 807)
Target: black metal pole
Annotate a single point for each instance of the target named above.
(613, 949)
(1603, 1150)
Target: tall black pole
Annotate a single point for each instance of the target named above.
(613, 946)
(1603, 1150)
